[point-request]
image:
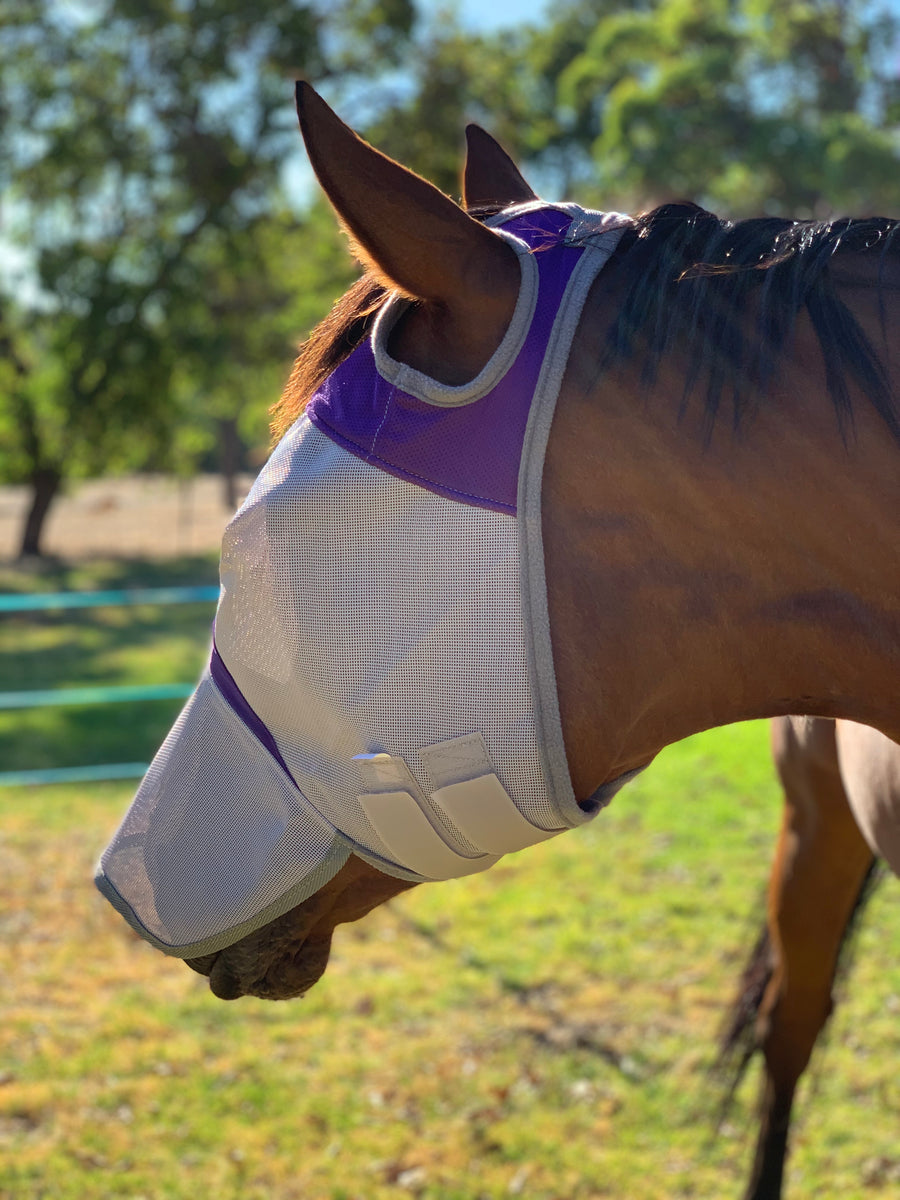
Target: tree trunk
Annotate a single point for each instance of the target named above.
(45, 484)
(230, 449)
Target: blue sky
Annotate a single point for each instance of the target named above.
(493, 14)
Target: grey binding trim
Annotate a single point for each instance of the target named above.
(341, 850)
(308, 885)
(548, 724)
(443, 395)
(587, 223)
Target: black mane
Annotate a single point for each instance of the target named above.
(690, 276)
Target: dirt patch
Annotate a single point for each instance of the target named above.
(146, 516)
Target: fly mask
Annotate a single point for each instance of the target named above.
(381, 680)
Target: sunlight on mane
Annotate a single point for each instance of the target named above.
(339, 333)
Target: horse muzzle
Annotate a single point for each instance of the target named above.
(266, 965)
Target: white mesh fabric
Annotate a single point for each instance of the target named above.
(362, 613)
(216, 836)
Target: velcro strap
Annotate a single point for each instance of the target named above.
(483, 810)
(384, 772)
(457, 759)
(413, 841)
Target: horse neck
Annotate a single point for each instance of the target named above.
(694, 584)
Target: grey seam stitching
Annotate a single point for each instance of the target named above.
(387, 409)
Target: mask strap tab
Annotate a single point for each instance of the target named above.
(413, 841)
(483, 810)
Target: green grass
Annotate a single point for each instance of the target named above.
(544, 1030)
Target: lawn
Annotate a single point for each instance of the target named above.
(545, 1030)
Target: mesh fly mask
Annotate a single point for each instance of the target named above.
(381, 680)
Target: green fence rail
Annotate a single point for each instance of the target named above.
(11, 602)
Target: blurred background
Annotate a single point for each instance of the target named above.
(163, 248)
(546, 1029)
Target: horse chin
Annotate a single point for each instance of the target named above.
(278, 970)
(286, 957)
(283, 978)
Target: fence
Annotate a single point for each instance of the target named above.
(49, 601)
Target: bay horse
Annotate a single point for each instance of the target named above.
(695, 576)
(841, 784)
(719, 502)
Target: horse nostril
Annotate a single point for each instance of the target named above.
(223, 982)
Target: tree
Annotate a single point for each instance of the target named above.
(455, 77)
(781, 106)
(777, 106)
(142, 143)
(250, 302)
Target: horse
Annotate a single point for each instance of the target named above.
(716, 510)
(841, 784)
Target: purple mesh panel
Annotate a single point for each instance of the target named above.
(470, 453)
(234, 697)
(542, 227)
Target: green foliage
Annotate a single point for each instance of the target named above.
(456, 77)
(249, 303)
(753, 106)
(142, 150)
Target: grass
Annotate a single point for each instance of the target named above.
(544, 1030)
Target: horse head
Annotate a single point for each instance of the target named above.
(443, 633)
(459, 284)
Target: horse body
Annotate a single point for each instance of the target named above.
(870, 769)
(699, 585)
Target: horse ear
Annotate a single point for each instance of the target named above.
(408, 230)
(491, 176)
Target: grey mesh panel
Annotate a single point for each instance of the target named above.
(361, 613)
(216, 835)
